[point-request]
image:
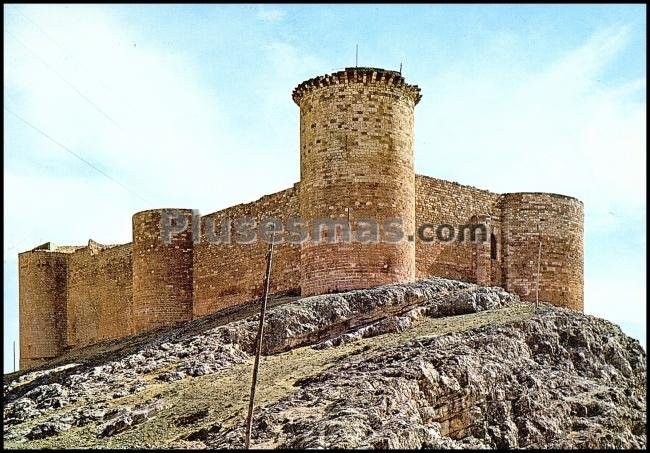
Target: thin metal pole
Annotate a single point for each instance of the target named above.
(539, 262)
(356, 57)
(260, 332)
(349, 224)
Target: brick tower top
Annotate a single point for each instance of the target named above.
(357, 74)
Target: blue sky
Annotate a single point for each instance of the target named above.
(190, 106)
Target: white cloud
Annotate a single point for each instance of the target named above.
(618, 294)
(165, 137)
(270, 14)
(558, 130)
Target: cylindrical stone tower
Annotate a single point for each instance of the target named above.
(356, 165)
(42, 306)
(162, 270)
(561, 227)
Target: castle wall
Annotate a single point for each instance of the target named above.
(356, 163)
(92, 294)
(42, 305)
(231, 274)
(162, 272)
(561, 221)
(439, 202)
(99, 295)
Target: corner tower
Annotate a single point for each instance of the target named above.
(557, 221)
(356, 164)
(42, 274)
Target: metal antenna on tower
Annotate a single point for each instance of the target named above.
(400, 68)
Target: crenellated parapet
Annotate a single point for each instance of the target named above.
(366, 76)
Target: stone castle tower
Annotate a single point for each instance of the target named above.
(356, 164)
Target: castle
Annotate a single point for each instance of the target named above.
(356, 162)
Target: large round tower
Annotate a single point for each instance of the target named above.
(356, 165)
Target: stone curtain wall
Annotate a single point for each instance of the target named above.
(356, 163)
(99, 295)
(42, 306)
(561, 221)
(441, 202)
(92, 294)
(231, 274)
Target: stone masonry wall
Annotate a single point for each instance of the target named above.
(441, 202)
(232, 274)
(42, 305)
(88, 295)
(99, 295)
(356, 163)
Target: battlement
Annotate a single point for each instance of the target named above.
(48, 247)
(94, 246)
(545, 194)
(358, 75)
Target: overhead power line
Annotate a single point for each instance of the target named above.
(70, 84)
(66, 52)
(46, 34)
(67, 149)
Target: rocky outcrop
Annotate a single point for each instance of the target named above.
(127, 417)
(318, 319)
(558, 380)
(489, 373)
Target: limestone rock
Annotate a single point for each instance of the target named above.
(558, 379)
(491, 387)
(46, 430)
(127, 418)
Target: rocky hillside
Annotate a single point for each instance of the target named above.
(434, 364)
